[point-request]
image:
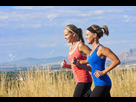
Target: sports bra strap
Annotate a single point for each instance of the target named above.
(97, 47)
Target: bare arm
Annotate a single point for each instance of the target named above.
(84, 49)
(84, 61)
(108, 53)
(88, 68)
(76, 62)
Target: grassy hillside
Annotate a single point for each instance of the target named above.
(43, 83)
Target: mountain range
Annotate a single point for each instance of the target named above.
(34, 61)
(129, 55)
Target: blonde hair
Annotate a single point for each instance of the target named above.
(99, 30)
(72, 28)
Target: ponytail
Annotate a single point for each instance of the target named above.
(80, 34)
(105, 28)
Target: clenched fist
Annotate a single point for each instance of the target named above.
(64, 64)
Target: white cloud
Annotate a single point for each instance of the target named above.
(41, 45)
(98, 11)
(114, 10)
(33, 7)
(114, 42)
(47, 45)
(91, 13)
(31, 25)
(36, 16)
(3, 17)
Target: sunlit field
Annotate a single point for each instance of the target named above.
(46, 83)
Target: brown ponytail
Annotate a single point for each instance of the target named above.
(105, 28)
(80, 34)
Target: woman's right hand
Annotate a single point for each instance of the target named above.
(64, 64)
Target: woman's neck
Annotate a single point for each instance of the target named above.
(95, 44)
(74, 42)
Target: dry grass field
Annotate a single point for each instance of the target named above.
(43, 83)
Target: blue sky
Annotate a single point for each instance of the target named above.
(37, 31)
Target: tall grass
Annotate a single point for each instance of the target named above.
(123, 82)
(42, 83)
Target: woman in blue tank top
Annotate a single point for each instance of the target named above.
(97, 60)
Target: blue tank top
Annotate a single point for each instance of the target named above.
(98, 63)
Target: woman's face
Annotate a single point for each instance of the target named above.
(90, 37)
(68, 36)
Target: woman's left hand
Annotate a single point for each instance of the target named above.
(99, 73)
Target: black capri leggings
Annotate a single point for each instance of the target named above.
(101, 91)
(81, 89)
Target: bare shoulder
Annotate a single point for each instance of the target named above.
(84, 48)
(108, 53)
(81, 45)
(103, 48)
